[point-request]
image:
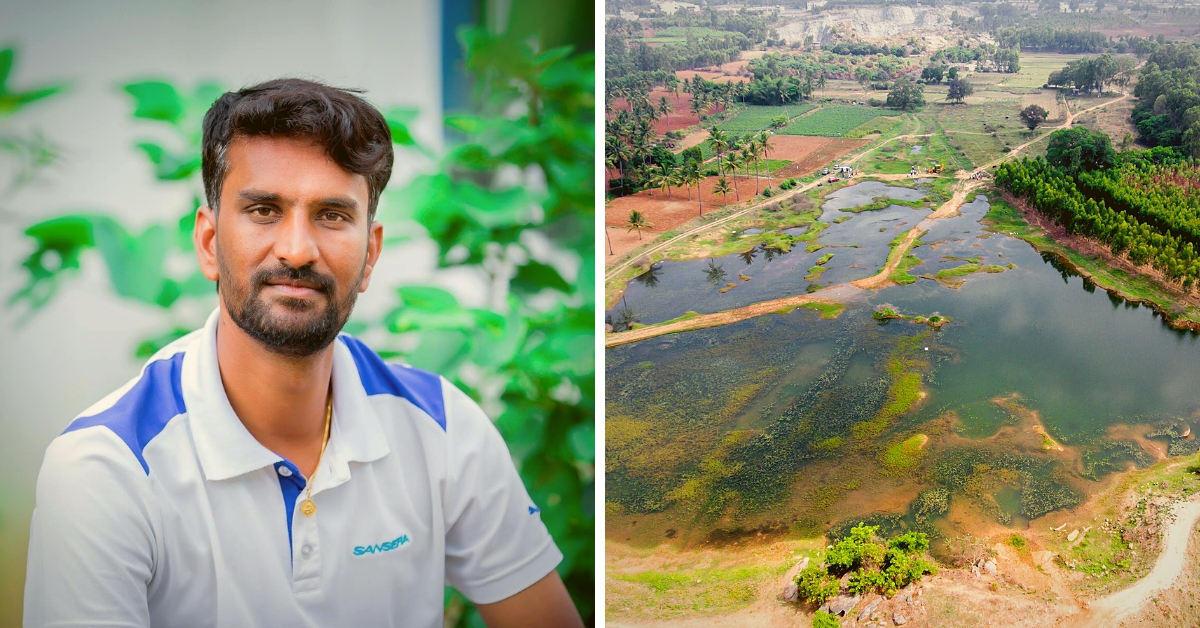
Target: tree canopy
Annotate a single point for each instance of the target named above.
(960, 88)
(906, 95)
(1080, 148)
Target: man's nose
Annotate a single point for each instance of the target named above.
(296, 241)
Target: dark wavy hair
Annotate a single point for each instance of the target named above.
(355, 135)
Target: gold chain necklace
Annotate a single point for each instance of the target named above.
(308, 507)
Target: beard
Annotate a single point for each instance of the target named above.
(303, 327)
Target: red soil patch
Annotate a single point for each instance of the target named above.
(624, 241)
(823, 154)
(680, 117)
(690, 74)
(665, 212)
(695, 138)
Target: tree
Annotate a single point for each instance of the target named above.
(723, 188)
(665, 109)
(952, 73)
(933, 74)
(720, 142)
(960, 88)
(692, 176)
(1080, 148)
(764, 146)
(638, 221)
(1033, 115)
(906, 95)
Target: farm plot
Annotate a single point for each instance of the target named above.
(1035, 69)
(1047, 100)
(808, 153)
(833, 121)
(758, 118)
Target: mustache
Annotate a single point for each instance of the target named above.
(303, 274)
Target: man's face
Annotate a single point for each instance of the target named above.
(291, 246)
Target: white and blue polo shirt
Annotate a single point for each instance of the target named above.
(156, 507)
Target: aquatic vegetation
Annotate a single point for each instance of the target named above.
(814, 273)
(885, 312)
(1040, 482)
(903, 394)
(993, 268)
(1105, 457)
(827, 310)
(905, 455)
(957, 271)
(901, 274)
(821, 261)
(930, 503)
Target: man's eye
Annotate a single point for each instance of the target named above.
(332, 216)
(264, 212)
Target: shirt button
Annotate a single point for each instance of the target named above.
(284, 471)
(306, 551)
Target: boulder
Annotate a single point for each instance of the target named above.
(989, 567)
(899, 619)
(842, 604)
(869, 608)
(791, 593)
(1041, 559)
(1073, 535)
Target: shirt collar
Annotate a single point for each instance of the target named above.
(225, 447)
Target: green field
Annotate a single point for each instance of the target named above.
(1035, 68)
(757, 117)
(834, 121)
(684, 32)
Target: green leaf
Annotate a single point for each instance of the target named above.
(399, 120)
(427, 298)
(155, 100)
(534, 277)
(170, 166)
(6, 64)
(582, 441)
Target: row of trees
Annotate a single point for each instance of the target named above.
(1050, 187)
(1093, 73)
(1047, 39)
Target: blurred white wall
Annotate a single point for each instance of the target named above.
(79, 348)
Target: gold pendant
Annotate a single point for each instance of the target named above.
(308, 508)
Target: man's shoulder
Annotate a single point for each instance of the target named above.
(425, 390)
(136, 413)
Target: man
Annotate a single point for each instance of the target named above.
(265, 470)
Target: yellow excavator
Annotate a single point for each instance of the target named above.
(935, 168)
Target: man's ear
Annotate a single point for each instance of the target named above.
(204, 239)
(374, 247)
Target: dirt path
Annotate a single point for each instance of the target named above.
(841, 293)
(1166, 570)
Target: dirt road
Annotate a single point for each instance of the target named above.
(1108, 611)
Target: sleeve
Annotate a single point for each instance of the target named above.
(91, 542)
(496, 543)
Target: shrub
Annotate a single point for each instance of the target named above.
(821, 619)
(853, 551)
(814, 585)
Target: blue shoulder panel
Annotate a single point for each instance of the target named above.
(145, 409)
(422, 388)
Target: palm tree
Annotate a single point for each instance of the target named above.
(755, 151)
(722, 188)
(764, 144)
(719, 141)
(638, 221)
(662, 180)
(691, 176)
(665, 109)
(735, 163)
